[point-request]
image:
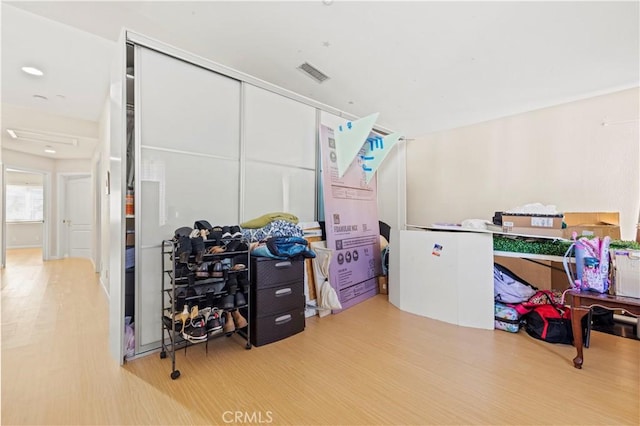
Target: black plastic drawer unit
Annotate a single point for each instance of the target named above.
(277, 307)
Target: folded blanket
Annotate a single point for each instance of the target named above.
(265, 219)
(277, 228)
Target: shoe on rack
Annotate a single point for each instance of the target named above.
(229, 326)
(203, 270)
(244, 283)
(238, 319)
(226, 232)
(196, 331)
(197, 246)
(236, 232)
(167, 320)
(233, 245)
(183, 248)
(202, 224)
(228, 301)
(217, 270)
(183, 317)
(216, 250)
(216, 234)
(232, 285)
(206, 313)
(213, 323)
(240, 300)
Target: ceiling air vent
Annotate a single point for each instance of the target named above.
(313, 72)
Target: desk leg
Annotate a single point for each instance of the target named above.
(576, 326)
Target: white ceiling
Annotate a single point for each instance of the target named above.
(424, 66)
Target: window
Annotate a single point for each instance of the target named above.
(24, 203)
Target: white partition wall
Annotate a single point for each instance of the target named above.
(280, 151)
(188, 132)
(447, 276)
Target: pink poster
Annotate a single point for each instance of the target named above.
(351, 220)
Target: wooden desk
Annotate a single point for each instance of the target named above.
(583, 301)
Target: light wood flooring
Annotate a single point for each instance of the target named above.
(371, 364)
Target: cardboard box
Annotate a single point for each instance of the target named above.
(531, 221)
(382, 284)
(599, 224)
(626, 273)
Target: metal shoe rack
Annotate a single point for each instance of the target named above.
(186, 284)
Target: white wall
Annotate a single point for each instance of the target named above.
(561, 155)
(73, 166)
(23, 235)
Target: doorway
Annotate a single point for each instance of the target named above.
(25, 215)
(76, 216)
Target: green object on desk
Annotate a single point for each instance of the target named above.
(546, 246)
(533, 246)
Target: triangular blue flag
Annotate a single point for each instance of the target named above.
(350, 137)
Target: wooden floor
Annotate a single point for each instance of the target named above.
(371, 364)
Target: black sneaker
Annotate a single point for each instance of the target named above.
(196, 330)
(236, 232)
(226, 232)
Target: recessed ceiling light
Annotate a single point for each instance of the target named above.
(33, 71)
(49, 150)
(12, 133)
(44, 98)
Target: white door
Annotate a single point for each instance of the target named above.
(78, 216)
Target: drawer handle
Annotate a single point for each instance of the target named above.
(285, 264)
(283, 319)
(283, 292)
